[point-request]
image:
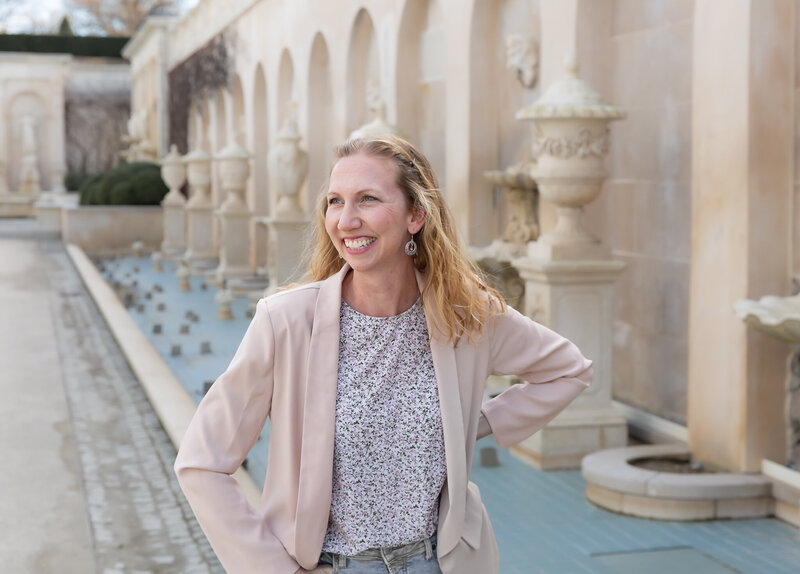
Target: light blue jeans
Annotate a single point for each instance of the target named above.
(415, 558)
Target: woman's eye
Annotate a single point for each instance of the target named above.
(370, 198)
(334, 200)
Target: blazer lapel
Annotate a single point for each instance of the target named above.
(444, 363)
(316, 460)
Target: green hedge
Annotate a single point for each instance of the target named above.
(136, 183)
(85, 46)
(74, 180)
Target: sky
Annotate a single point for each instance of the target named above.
(42, 16)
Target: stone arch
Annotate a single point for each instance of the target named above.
(363, 70)
(421, 82)
(24, 105)
(286, 91)
(260, 200)
(320, 138)
(497, 140)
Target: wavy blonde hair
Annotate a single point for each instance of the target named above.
(457, 298)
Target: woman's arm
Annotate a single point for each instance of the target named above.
(224, 428)
(553, 368)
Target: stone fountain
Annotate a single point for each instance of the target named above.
(779, 317)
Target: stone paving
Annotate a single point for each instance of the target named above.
(139, 520)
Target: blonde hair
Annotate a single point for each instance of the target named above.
(457, 298)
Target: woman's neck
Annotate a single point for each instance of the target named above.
(380, 295)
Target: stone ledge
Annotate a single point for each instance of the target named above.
(614, 484)
(170, 400)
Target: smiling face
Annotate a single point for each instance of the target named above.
(368, 218)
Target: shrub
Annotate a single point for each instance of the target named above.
(74, 180)
(137, 183)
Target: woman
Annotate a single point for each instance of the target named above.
(372, 377)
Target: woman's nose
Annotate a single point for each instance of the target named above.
(349, 218)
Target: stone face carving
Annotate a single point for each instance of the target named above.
(522, 57)
(378, 126)
(288, 167)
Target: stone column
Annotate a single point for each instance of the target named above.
(742, 174)
(569, 274)
(234, 214)
(199, 213)
(173, 172)
(288, 167)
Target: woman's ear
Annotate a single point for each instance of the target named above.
(416, 222)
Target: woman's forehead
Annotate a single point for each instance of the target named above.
(361, 170)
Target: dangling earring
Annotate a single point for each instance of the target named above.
(411, 247)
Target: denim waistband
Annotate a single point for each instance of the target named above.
(393, 557)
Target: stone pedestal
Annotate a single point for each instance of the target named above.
(575, 297)
(173, 172)
(234, 215)
(199, 213)
(285, 250)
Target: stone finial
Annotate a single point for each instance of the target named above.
(570, 98)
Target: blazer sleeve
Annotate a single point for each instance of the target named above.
(553, 370)
(224, 428)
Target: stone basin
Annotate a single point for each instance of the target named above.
(775, 316)
(615, 484)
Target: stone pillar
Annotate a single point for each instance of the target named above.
(234, 214)
(742, 172)
(199, 212)
(569, 275)
(288, 167)
(173, 172)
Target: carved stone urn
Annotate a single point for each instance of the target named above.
(288, 167)
(199, 210)
(234, 169)
(234, 214)
(173, 172)
(198, 174)
(570, 141)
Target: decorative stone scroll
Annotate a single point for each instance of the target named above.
(585, 144)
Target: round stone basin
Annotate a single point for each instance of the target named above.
(615, 484)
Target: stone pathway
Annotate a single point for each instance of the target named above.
(138, 520)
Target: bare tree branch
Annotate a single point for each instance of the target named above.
(115, 17)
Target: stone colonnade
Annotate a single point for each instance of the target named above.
(705, 186)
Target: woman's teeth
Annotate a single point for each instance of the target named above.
(358, 243)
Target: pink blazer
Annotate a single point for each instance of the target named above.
(286, 369)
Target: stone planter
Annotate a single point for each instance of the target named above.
(173, 172)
